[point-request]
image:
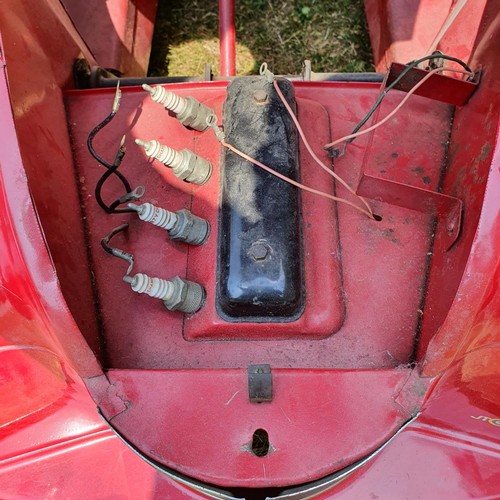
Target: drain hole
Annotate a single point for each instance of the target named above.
(260, 443)
(377, 217)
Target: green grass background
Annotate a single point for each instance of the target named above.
(331, 33)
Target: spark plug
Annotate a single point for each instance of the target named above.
(185, 164)
(177, 294)
(190, 112)
(181, 225)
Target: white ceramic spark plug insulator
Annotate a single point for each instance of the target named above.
(161, 152)
(155, 215)
(157, 288)
(184, 164)
(167, 99)
(177, 294)
(181, 225)
(190, 112)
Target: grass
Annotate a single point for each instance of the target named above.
(331, 33)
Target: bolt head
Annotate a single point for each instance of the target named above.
(259, 251)
(260, 96)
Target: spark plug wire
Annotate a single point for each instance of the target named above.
(398, 107)
(294, 183)
(112, 169)
(212, 122)
(409, 66)
(116, 252)
(98, 128)
(313, 155)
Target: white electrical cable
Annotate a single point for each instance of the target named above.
(446, 25)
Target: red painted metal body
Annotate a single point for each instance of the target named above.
(385, 312)
(118, 32)
(324, 314)
(183, 403)
(401, 31)
(383, 176)
(124, 315)
(308, 413)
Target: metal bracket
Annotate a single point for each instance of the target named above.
(446, 208)
(438, 87)
(260, 383)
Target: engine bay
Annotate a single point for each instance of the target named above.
(294, 275)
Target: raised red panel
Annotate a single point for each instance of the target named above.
(380, 321)
(324, 312)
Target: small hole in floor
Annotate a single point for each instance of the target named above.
(378, 218)
(260, 443)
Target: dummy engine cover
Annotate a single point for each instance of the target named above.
(260, 244)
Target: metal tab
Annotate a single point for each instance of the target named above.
(260, 383)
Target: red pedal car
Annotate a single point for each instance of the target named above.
(326, 248)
